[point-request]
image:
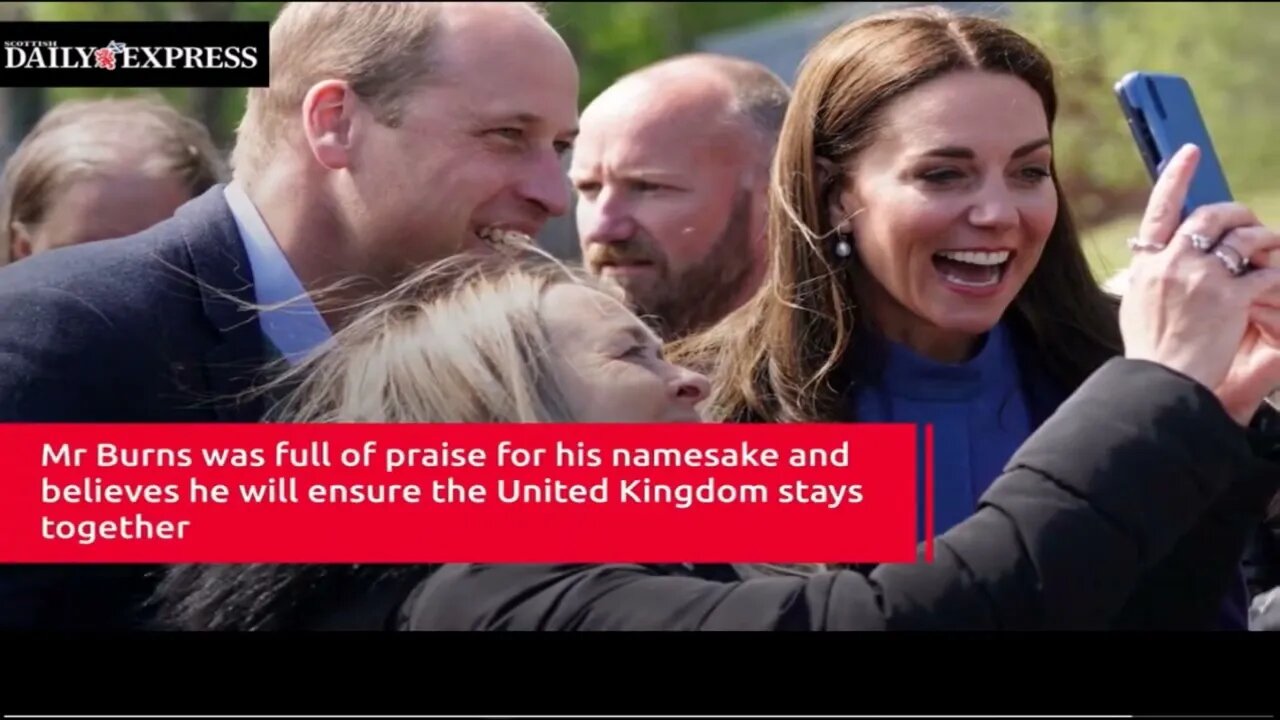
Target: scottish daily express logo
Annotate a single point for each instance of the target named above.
(50, 55)
(135, 54)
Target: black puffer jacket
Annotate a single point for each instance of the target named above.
(1094, 503)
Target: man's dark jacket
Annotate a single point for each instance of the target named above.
(155, 327)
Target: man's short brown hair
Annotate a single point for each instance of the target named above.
(383, 49)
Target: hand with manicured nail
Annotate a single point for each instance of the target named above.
(1193, 305)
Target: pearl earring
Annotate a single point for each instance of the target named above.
(843, 248)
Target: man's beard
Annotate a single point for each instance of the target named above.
(684, 303)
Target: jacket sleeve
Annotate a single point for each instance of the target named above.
(1202, 584)
(1098, 496)
(61, 360)
(57, 352)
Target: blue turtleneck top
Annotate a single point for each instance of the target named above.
(977, 409)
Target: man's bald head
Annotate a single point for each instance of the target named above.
(672, 169)
(719, 88)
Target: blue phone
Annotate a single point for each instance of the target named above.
(1163, 116)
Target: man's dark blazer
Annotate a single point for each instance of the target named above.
(155, 327)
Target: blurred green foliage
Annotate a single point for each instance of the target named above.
(1224, 49)
(610, 39)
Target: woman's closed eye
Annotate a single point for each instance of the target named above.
(642, 351)
(634, 343)
(637, 351)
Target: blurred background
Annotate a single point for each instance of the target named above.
(1226, 49)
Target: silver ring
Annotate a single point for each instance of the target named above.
(1231, 259)
(1135, 244)
(1201, 242)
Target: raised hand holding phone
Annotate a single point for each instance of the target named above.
(1185, 307)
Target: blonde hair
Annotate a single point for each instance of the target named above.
(78, 137)
(383, 49)
(461, 340)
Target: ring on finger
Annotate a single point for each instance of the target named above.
(1231, 258)
(1135, 244)
(1201, 242)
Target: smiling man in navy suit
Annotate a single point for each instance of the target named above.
(423, 130)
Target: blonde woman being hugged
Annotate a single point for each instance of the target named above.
(508, 337)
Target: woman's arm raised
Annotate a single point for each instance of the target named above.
(1094, 499)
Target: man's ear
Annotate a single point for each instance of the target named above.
(328, 112)
(21, 244)
(832, 181)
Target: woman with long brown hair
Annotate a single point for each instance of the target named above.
(926, 267)
(914, 211)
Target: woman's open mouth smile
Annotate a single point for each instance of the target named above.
(973, 272)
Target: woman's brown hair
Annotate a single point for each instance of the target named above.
(785, 355)
(77, 136)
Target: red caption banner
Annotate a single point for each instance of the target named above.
(458, 493)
